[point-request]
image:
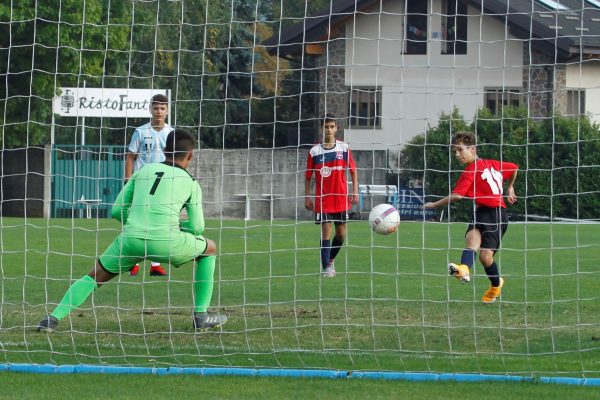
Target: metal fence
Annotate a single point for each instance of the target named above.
(85, 180)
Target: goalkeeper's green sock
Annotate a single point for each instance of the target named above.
(203, 282)
(75, 296)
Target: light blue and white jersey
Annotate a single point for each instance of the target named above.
(148, 144)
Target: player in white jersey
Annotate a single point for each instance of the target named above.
(146, 147)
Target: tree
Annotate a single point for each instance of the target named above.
(38, 54)
(204, 51)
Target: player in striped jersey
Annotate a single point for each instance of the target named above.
(330, 162)
(146, 146)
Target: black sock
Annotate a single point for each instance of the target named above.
(336, 245)
(493, 275)
(468, 257)
(325, 252)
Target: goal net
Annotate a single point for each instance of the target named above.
(252, 79)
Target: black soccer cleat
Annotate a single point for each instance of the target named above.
(48, 324)
(204, 321)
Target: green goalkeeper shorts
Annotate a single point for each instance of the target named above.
(124, 252)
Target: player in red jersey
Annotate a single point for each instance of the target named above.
(483, 181)
(329, 162)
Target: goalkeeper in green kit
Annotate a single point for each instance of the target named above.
(149, 206)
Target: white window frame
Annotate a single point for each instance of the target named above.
(575, 102)
(358, 95)
(445, 18)
(407, 27)
(503, 97)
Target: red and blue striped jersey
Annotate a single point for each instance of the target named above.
(330, 167)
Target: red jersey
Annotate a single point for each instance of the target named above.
(329, 167)
(483, 181)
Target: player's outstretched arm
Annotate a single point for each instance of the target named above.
(443, 202)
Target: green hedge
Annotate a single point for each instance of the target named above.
(558, 157)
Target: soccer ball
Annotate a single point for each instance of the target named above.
(384, 219)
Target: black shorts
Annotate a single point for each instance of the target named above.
(336, 218)
(492, 223)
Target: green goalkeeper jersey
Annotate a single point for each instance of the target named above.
(150, 203)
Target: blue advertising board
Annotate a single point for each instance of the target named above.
(410, 205)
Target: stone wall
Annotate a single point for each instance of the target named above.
(227, 176)
(544, 83)
(559, 90)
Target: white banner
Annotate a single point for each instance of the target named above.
(103, 102)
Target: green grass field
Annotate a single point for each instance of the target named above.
(40, 386)
(391, 308)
